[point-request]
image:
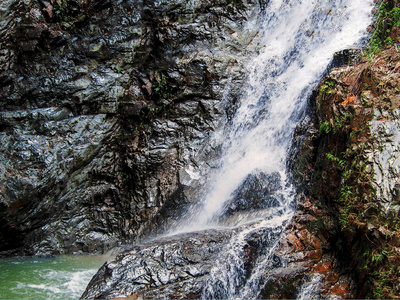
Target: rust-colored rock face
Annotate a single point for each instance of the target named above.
(358, 115)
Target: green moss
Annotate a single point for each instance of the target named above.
(63, 11)
(324, 128)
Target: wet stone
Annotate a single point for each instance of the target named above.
(101, 107)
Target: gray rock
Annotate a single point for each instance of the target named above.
(173, 267)
(189, 266)
(257, 192)
(385, 159)
(103, 106)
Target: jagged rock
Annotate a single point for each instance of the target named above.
(186, 266)
(172, 267)
(267, 261)
(103, 106)
(360, 110)
(257, 192)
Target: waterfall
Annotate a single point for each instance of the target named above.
(298, 39)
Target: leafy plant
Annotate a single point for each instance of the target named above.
(387, 20)
(324, 128)
(161, 87)
(326, 87)
(341, 121)
(125, 176)
(162, 94)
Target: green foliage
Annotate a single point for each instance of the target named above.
(355, 178)
(341, 163)
(341, 121)
(378, 257)
(125, 177)
(388, 19)
(60, 8)
(324, 128)
(161, 88)
(162, 94)
(385, 278)
(395, 16)
(326, 88)
(65, 13)
(163, 107)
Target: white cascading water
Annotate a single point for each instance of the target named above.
(299, 39)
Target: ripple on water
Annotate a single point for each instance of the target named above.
(47, 278)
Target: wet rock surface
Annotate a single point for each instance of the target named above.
(356, 171)
(185, 266)
(310, 266)
(106, 109)
(257, 192)
(171, 267)
(106, 113)
(342, 241)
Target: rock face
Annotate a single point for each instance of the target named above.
(342, 241)
(105, 112)
(186, 266)
(257, 192)
(358, 116)
(174, 267)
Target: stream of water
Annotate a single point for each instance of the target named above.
(299, 39)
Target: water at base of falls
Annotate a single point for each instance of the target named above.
(63, 277)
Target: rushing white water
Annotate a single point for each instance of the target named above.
(311, 289)
(299, 39)
(63, 277)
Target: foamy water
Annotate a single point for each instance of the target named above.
(299, 39)
(64, 277)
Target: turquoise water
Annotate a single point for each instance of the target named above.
(63, 277)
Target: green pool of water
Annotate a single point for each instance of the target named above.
(63, 277)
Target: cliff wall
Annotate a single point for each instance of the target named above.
(104, 106)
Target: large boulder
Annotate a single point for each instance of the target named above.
(210, 264)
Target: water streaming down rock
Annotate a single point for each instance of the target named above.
(299, 39)
(310, 289)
